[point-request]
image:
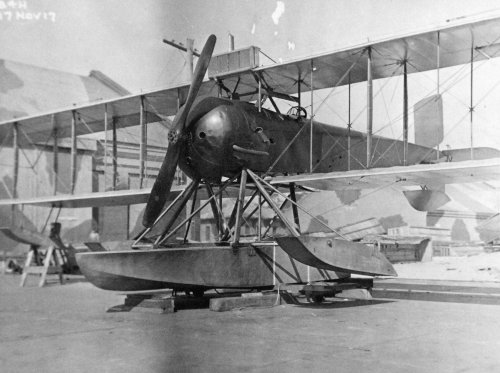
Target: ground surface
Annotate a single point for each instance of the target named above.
(472, 266)
(66, 329)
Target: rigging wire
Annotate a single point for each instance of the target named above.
(452, 80)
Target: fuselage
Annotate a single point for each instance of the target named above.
(226, 135)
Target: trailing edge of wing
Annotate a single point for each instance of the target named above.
(424, 174)
(102, 199)
(98, 199)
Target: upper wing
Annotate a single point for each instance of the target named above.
(423, 174)
(349, 65)
(331, 69)
(90, 118)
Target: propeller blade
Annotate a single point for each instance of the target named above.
(164, 179)
(163, 183)
(198, 75)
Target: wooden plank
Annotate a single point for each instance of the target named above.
(29, 259)
(437, 296)
(228, 304)
(46, 265)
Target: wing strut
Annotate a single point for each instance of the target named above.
(15, 131)
(329, 253)
(369, 107)
(260, 183)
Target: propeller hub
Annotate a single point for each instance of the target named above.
(173, 136)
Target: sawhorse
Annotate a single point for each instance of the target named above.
(51, 266)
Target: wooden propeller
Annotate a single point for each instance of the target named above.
(163, 183)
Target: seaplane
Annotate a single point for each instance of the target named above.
(225, 140)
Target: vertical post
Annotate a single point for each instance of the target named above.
(15, 146)
(438, 59)
(127, 227)
(189, 48)
(260, 96)
(294, 207)
(259, 221)
(312, 121)
(239, 212)
(220, 222)
(299, 81)
(220, 198)
(231, 42)
(193, 206)
(438, 67)
(349, 125)
(55, 162)
(369, 107)
(143, 144)
(471, 108)
(73, 151)
(128, 223)
(105, 143)
(114, 154)
(405, 113)
(194, 234)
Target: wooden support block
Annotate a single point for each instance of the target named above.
(149, 303)
(228, 304)
(132, 300)
(165, 304)
(156, 310)
(155, 306)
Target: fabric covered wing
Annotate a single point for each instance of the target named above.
(430, 175)
(113, 198)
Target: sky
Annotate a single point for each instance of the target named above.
(123, 38)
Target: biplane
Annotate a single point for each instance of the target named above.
(224, 138)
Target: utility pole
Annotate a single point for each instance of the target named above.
(190, 52)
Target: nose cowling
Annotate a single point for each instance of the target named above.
(224, 137)
(209, 152)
